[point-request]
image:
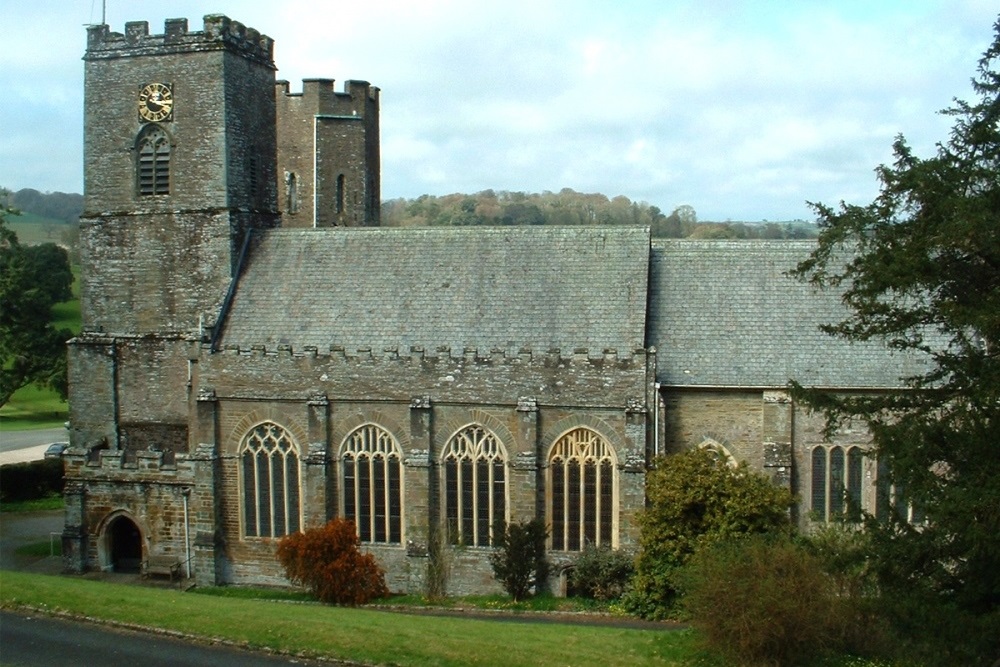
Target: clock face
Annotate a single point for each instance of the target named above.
(156, 102)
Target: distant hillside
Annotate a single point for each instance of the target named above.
(568, 207)
(489, 207)
(59, 206)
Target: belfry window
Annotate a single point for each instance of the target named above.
(269, 467)
(153, 165)
(475, 486)
(582, 483)
(372, 471)
(836, 483)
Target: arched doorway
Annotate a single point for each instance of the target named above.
(124, 545)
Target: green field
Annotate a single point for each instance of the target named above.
(32, 229)
(355, 634)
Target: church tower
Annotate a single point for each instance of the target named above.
(179, 170)
(328, 154)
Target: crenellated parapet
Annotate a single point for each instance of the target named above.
(143, 466)
(359, 99)
(554, 375)
(498, 356)
(219, 33)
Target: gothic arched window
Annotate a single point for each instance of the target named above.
(582, 501)
(836, 483)
(475, 486)
(269, 467)
(153, 165)
(372, 472)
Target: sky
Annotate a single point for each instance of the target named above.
(744, 110)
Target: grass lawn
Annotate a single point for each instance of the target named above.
(355, 634)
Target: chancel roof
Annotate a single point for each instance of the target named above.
(724, 313)
(483, 288)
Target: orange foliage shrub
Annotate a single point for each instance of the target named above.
(329, 563)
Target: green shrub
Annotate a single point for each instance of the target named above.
(31, 481)
(761, 601)
(693, 500)
(329, 563)
(518, 557)
(601, 573)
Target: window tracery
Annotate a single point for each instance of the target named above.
(583, 491)
(371, 475)
(270, 471)
(475, 485)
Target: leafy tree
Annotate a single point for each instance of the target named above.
(518, 557)
(695, 499)
(32, 280)
(329, 563)
(919, 268)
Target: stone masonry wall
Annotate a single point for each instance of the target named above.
(336, 133)
(765, 429)
(320, 413)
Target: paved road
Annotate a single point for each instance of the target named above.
(22, 446)
(30, 641)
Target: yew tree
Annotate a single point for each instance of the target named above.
(919, 269)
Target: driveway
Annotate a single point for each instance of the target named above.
(23, 446)
(31, 639)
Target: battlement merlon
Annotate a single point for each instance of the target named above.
(220, 33)
(496, 356)
(319, 96)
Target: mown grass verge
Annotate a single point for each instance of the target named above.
(48, 503)
(357, 634)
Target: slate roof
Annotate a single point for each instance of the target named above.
(722, 313)
(485, 288)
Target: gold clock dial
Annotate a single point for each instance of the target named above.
(156, 102)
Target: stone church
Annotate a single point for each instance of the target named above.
(258, 356)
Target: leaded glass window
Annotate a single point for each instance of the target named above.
(891, 498)
(582, 483)
(475, 486)
(836, 483)
(269, 467)
(372, 471)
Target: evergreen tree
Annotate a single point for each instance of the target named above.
(919, 269)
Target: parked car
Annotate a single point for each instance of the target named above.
(56, 450)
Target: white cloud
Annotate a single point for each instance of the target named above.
(742, 109)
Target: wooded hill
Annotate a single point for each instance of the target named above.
(568, 207)
(498, 207)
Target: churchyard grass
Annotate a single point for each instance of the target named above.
(355, 634)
